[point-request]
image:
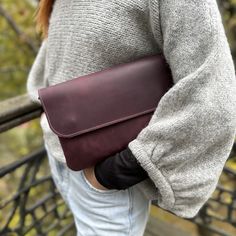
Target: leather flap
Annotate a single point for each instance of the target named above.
(103, 98)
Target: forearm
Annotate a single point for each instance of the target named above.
(120, 171)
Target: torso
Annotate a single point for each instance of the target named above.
(86, 36)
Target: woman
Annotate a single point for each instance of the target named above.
(178, 158)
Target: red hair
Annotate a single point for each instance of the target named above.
(42, 16)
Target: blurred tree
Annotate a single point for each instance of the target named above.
(19, 43)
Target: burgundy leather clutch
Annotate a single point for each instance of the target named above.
(98, 114)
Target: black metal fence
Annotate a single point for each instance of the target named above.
(35, 206)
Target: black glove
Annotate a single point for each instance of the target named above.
(119, 171)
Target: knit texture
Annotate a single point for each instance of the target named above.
(191, 133)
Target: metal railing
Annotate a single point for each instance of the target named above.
(39, 209)
(35, 206)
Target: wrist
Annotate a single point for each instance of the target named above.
(98, 175)
(96, 181)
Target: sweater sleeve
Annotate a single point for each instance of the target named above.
(36, 77)
(119, 171)
(191, 133)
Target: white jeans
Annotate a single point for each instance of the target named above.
(100, 212)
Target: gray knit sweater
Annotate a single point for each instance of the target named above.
(191, 133)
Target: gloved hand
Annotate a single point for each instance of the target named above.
(119, 171)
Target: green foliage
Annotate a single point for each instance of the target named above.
(16, 55)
